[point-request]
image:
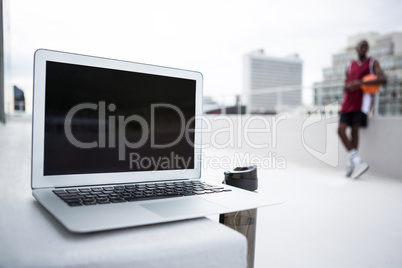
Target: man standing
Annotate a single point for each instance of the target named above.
(356, 105)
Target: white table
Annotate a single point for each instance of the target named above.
(31, 237)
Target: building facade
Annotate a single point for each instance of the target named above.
(271, 84)
(387, 49)
(6, 88)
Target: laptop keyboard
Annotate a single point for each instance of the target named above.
(135, 192)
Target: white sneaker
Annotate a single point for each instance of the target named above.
(349, 169)
(359, 169)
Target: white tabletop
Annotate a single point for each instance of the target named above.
(31, 237)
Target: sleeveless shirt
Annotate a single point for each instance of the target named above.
(357, 100)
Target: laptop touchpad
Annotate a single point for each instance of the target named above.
(185, 206)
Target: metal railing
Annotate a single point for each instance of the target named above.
(323, 94)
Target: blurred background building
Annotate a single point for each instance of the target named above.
(6, 88)
(387, 49)
(271, 84)
(2, 110)
(19, 99)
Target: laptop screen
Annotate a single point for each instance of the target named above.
(100, 120)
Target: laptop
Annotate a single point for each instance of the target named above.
(117, 144)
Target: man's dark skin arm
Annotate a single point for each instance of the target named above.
(381, 79)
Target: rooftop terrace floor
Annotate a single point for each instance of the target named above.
(326, 220)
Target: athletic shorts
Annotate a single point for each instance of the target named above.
(354, 118)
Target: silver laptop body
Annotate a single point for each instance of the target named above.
(100, 123)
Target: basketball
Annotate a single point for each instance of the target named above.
(370, 88)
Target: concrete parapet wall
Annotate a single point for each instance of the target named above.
(381, 146)
(312, 141)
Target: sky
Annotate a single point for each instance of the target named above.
(209, 36)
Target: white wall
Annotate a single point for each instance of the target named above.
(310, 141)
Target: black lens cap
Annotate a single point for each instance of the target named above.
(242, 177)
